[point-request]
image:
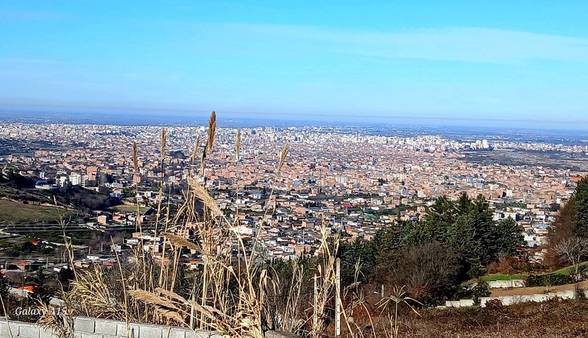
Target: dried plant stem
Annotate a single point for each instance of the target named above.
(123, 282)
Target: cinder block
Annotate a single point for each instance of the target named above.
(202, 334)
(174, 332)
(150, 331)
(84, 324)
(5, 332)
(91, 335)
(279, 334)
(47, 333)
(28, 331)
(131, 332)
(105, 327)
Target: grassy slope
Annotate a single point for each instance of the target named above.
(126, 208)
(538, 289)
(13, 212)
(499, 276)
(568, 270)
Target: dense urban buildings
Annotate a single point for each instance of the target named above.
(352, 181)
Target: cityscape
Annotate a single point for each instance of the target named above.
(353, 182)
(258, 169)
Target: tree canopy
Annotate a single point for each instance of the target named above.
(460, 236)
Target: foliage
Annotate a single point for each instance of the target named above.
(481, 289)
(4, 286)
(551, 279)
(455, 242)
(429, 271)
(572, 221)
(581, 205)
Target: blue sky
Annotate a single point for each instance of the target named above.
(491, 60)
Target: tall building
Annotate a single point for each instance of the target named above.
(75, 179)
(92, 172)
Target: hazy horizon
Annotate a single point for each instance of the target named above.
(249, 119)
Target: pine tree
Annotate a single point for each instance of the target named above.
(439, 218)
(510, 236)
(582, 208)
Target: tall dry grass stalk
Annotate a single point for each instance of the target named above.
(283, 156)
(162, 157)
(326, 279)
(209, 141)
(135, 158)
(195, 151)
(238, 146)
(397, 298)
(58, 320)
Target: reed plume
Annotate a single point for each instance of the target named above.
(209, 141)
(195, 150)
(162, 142)
(181, 242)
(135, 158)
(203, 195)
(282, 157)
(238, 146)
(211, 131)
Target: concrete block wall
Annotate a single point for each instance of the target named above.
(509, 300)
(506, 284)
(101, 328)
(85, 327)
(459, 303)
(23, 330)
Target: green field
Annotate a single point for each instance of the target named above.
(20, 213)
(568, 270)
(500, 276)
(126, 208)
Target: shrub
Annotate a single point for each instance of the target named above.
(549, 280)
(494, 304)
(482, 289)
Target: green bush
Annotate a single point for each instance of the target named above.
(549, 280)
(482, 289)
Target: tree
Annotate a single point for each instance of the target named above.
(455, 242)
(474, 235)
(439, 218)
(563, 228)
(573, 249)
(464, 204)
(484, 230)
(429, 271)
(571, 222)
(510, 236)
(581, 205)
(361, 251)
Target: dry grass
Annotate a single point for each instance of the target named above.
(554, 318)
